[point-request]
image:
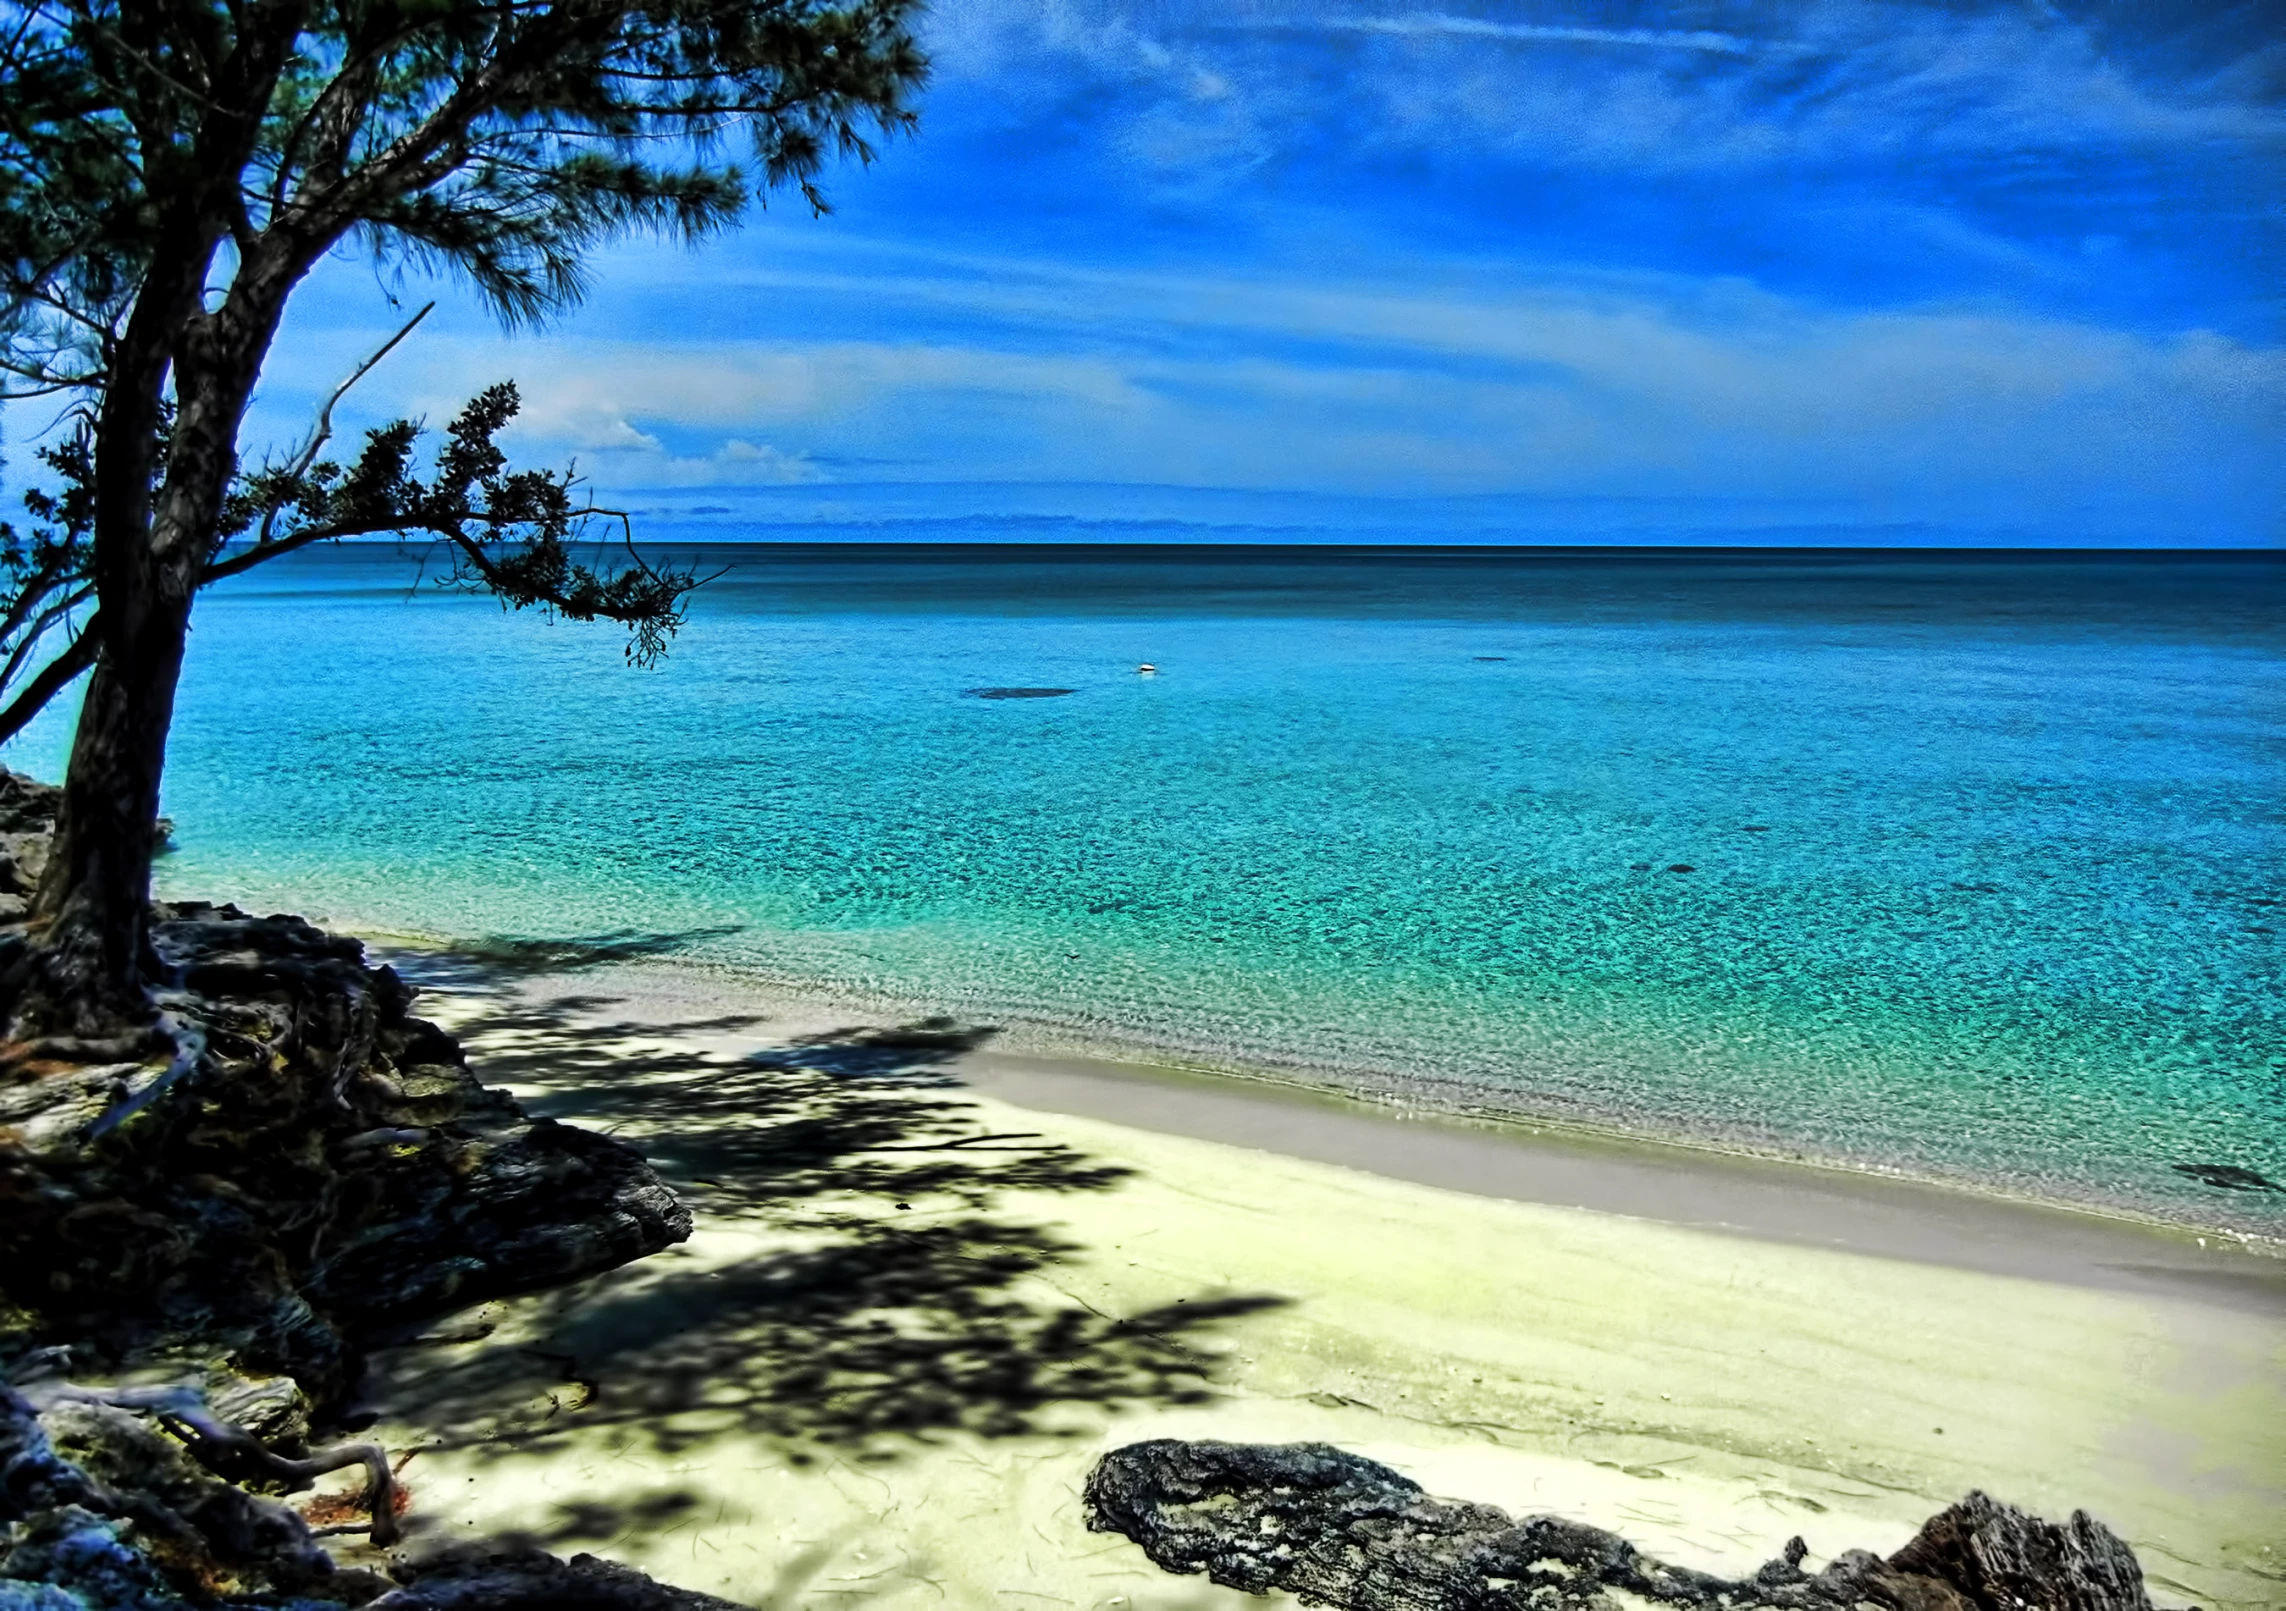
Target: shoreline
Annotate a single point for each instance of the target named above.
(1794, 1201)
(1042, 1047)
(888, 1373)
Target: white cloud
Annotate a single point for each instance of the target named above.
(612, 436)
(761, 462)
(569, 380)
(1473, 378)
(1598, 387)
(737, 463)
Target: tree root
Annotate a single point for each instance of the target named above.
(188, 1038)
(236, 1455)
(122, 1048)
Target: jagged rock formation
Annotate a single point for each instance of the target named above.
(301, 1163)
(27, 822)
(96, 1504)
(1337, 1529)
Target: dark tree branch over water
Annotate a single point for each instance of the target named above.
(171, 170)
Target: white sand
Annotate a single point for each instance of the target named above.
(827, 1399)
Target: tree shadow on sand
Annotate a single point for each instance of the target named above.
(889, 1299)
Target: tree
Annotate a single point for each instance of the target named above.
(171, 170)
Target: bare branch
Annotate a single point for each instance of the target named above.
(322, 431)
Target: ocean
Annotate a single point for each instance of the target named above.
(1969, 866)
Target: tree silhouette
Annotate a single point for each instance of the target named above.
(170, 172)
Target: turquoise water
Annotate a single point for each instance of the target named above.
(1986, 855)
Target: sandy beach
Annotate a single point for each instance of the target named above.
(931, 1283)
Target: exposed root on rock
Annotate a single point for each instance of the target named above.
(100, 1513)
(237, 1455)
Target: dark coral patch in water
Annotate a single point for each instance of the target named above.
(2230, 1177)
(1018, 693)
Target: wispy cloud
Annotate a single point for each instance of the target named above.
(1819, 80)
(1420, 23)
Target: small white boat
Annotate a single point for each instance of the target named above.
(1146, 669)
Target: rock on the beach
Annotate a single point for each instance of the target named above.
(485, 1579)
(328, 1168)
(28, 810)
(101, 1512)
(295, 1169)
(1337, 1529)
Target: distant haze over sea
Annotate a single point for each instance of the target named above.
(1064, 512)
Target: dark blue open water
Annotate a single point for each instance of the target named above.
(1986, 855)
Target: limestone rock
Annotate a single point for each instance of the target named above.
(1997, 1556)
(328, 1167)
(28, 810)
(1336, 1529)
(177, 1513)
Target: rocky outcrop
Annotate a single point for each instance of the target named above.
(289, 1167)
(28, 810)
(325, 1166)
(27, 820)
(1336, 1529)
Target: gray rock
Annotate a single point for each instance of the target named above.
(1997, 1556)
(480, 1579)
(1336, 1529)
(328, 1168)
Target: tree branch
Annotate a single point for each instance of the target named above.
(40, 629)
(52, 679)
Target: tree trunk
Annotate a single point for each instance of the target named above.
(92, 964)
(88, 969)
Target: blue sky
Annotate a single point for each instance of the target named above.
(1992, 273)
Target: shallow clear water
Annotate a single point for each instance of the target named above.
(1986, 855)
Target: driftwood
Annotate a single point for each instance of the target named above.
(1337, 1529)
